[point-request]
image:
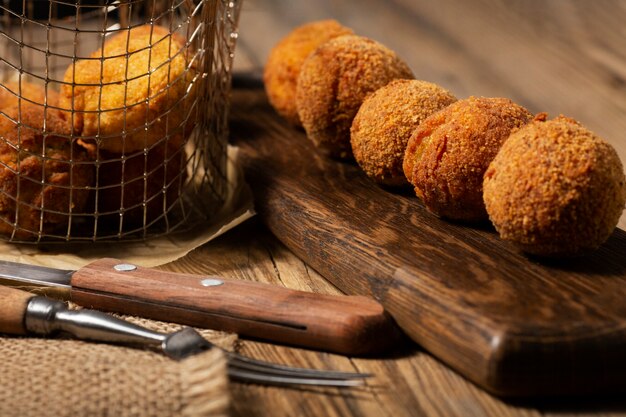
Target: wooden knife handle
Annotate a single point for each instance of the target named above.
(351, 325)
(13, 304)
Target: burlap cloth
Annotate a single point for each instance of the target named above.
(61, 377)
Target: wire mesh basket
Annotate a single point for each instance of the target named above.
(113, 116)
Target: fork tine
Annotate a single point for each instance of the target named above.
(264, 378)
(246, 363)
(188, 342)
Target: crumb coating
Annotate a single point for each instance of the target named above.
(35, 192)
(384, 123)
(334, 81)
(29, 92)
(555, 188)
(450, 151)
(132, 100)
(286, 58)
(155, 177)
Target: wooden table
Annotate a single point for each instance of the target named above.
(564, 57)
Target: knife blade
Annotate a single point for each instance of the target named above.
(351, 325)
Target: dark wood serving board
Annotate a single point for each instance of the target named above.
(515, 325)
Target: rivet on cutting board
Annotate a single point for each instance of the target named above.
(211, 282)
(125, 267)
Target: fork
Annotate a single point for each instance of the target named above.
(46, 317)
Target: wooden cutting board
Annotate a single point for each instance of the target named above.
(515, 325)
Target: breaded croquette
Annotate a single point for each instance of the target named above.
(555, 188)
(334, 80)
(382, 127)
(38, 192)
(155, 176)
(286, 58)
(134, 92)
(11, 92)
(449, 152)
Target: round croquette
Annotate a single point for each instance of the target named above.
(555, 188)
(43, 174)
(12, 91)
(286, 58)
(143, 185)
(134, 91)
(384, 123)
(450, 151)
(334, 81)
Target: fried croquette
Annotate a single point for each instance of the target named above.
(11, 92)
(39, 189)
(123, 187)
(286, 58)
(133, 92)
(450, 151)
(334, 80)
(384, 123)
(555, 188)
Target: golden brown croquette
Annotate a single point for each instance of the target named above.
(134, 91)
(384, 123)
(11, 92)
(43, 176)
(334, 81)
(286, 58)
(449, 152)
(555, 188)
(154, 176)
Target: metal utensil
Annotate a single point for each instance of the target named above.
(45, 317)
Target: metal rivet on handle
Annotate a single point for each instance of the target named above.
(125, 267)
(211, 282)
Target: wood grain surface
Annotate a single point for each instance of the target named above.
(351, 325)
(13, 309)
(561, 57)
(515, 325)
(408, 381)
(506, 48)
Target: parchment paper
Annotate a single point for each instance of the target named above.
(152, 252)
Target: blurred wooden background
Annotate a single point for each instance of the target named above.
(562, 56)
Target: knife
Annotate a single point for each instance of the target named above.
(350, 325)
